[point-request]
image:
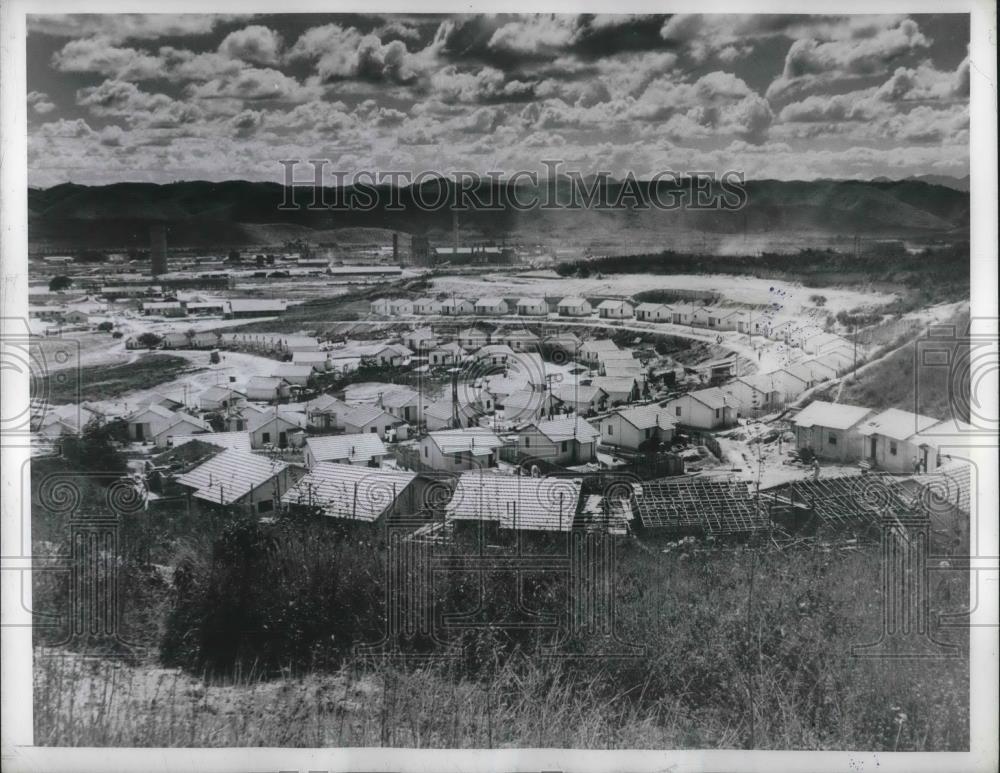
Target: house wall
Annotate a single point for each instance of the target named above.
(847, 448)
(615, 431)
(431, 456)
(695, 414)
(273, 429)
(575, 311)
(378, 425)
(902, 460)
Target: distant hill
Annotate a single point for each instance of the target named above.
(237, 212)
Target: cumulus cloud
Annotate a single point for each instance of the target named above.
(536, 34)
(99, 55)
(40, 103)
(340, 52)
(126, 100)
(119, 27)
(255, 44)
(487, 84)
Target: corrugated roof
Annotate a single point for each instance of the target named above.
(220, 393)
(289, 369)
(475, 439)
(259, 420)
(349, 491)
(359, 448)
(156, 410)
(647, 417)
(610, 384)
(832, 415)
(230, 475)
(600, 345)
(238, 440)
(712, 397)
(531, 302)
(568, 428)
(400, 397)
(359, 415)
(516, 502)
(897, 425)
(264, 382)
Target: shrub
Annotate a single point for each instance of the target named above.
(59, 282)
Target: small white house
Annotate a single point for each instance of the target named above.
(420, 340)
(401, 306)
(703, 409)
(532, 307)
(446, 354)
(459, 449)
(472, 338)
(830, 430)
(373, 419)
(584, 400)
(266, 388)
(653, 312)
(234, 478)
(492, 306)
(275, 428)
(425, 306)
(612, 309)
(683, 313)
(573, 306)
(892, 441)
(630, 428)
(297, 375)
(457, 307)
(755, 395)
(365, 449)
(593, 350)
(566, 440)
(382, 307)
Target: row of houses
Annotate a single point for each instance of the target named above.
(811, 338)
(236, 308)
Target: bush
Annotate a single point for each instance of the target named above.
(106, 327)
(59, 282)
(149, 340)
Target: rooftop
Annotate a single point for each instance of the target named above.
(568, 428)
(474, 440)
(897, 425)
(831, 415)
(348, 491)
(516, 501)
(361, 447)
(230, 475)
(238, 440)
(647, 417)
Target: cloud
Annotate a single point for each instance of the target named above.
(118, 27)
(246, 123)
(255, 44)
(487, 84)
(126, 100)
(254, 84)
(536, 34)
(40, 103)
(99, 55)
(340, 53)
(811, 62)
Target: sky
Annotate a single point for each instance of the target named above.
(160, 98)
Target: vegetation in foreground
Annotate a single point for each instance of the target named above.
(740, 646)
(104, 382)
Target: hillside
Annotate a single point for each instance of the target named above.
(239, 212)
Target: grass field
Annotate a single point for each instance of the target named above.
(108, 382)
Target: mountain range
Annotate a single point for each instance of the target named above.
(238, 212)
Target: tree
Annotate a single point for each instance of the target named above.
(94, 448)
(117, 334)
(59, 282)
(106, 326)
(149, 340)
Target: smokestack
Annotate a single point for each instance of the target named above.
(158, 249)
(395, 247)
(454, 225)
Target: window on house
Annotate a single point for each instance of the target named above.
(832, 440)
(265, 506)
(648, 431)
(457, 458)
(717, 412)
(565, 446)
(527, 442)
(892, 448)
(677, 410)
(611, 430)
(375, 430)
(426, 452)
(265, 437)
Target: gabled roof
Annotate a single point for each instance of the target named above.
(455, 301)
(516, 501)
(524, 400)
(579, 393)
(568, 428)
(349, 491)
(472, 331)
(613, 384)
(451, 347)
(324, 402)
(153, 408)
(490, 301)
(474, 439)
(220, 393)
(491, 349)
(359, 415)
(250, 304)
(897, 425)
(761, 382)
(309, 357)
(820, 413)
(400, 397)
(238, 440)
(230, 475)
(531, 302)
(651, 306)
(257, 421)
(800, 371)
(613, 304)
(427, 302)
(647, 417)
(515, 335)
(360, 447)
(189, 420)
(712, 397)
(573, 300)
